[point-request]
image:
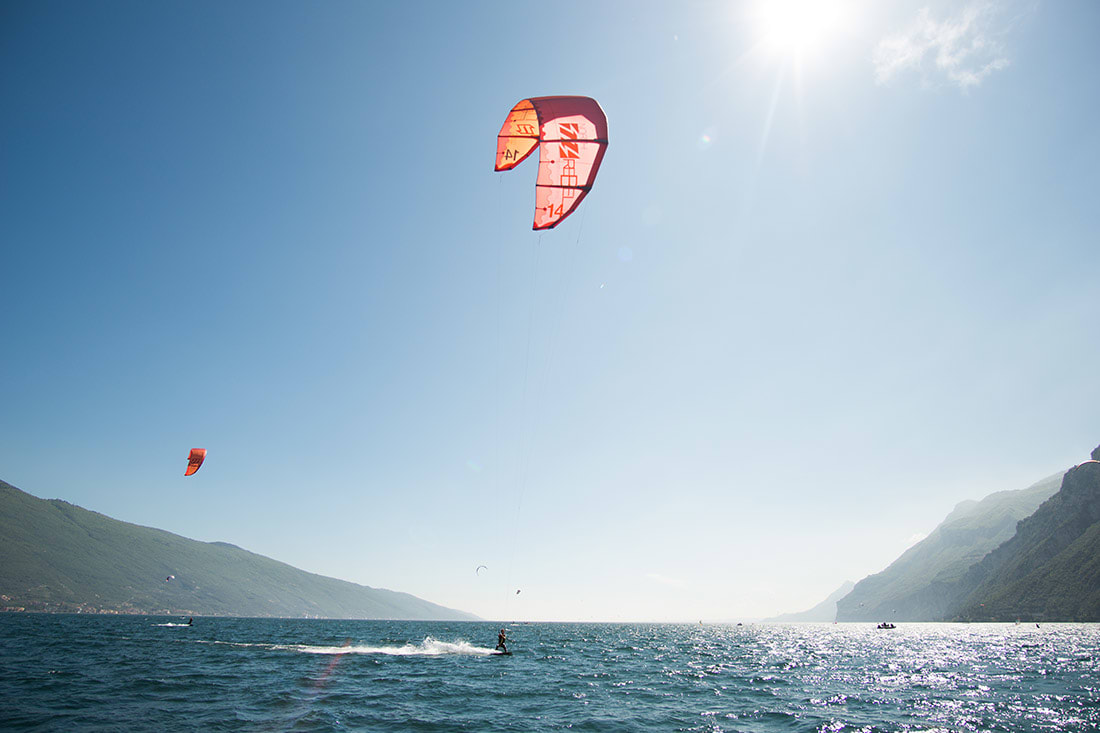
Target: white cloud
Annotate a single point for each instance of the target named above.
(962, 48)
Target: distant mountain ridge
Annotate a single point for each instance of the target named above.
(824, 611)
(1031, 554)
(55, 556)
(918, 586)
(1050, 569)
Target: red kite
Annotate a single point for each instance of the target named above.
(571, 135)
(198, 455)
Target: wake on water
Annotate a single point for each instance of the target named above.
(430, 647)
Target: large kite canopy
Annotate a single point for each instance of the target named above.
(571, 135)
(198, 455)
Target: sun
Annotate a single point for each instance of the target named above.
(800, 27)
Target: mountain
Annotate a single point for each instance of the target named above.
(921, 585)
(55, 556)
(1050, 569)
(824, 611)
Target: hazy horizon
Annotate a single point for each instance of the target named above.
(835, 276)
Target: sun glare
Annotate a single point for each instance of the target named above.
(799, 27)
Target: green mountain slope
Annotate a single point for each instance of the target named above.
(921, 585)
(1050, 569)
(55, 556)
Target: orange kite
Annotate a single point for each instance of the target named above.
(571, 135)
(198, 455)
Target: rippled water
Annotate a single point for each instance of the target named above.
(136, 673)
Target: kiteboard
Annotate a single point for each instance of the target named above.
(500, 654)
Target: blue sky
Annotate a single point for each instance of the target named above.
(837, 274)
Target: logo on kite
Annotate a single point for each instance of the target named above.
(571, 135)
(198, 455)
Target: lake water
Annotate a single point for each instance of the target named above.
(130, 673)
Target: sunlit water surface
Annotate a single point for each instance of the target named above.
(139, 673)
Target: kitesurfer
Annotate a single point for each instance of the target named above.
(501, 638)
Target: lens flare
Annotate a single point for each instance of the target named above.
(801, 26)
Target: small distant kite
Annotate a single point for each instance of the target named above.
(198, 455)
(170, 577)
(517, 592)
(571, 135)
(480, 568)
